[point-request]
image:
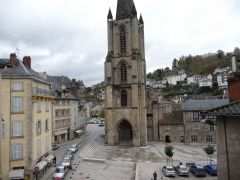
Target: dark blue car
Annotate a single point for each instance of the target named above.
(211, 169)
(198, 171)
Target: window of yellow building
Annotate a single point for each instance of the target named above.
(38, 107)
(17, 104)
(16, 152)
(17, 86)
(46, 125)
(38, 127)
(17, 128)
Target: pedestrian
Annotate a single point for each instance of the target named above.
(154, 175)
(54, 160)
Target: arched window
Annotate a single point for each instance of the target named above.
(124, 98)
(123, 71)
(123, 44)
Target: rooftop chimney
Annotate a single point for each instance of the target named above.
(13, 59)
(27, 62)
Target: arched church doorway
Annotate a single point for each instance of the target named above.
(167, 139)
(125, 133)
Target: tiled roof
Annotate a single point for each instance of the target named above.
(3, 61)
(203, 104)
(19, 71)
(232, 109)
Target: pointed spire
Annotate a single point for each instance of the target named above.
(141, 19)
(126, 9)
(110, 16)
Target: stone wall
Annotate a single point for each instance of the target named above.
(228, 146)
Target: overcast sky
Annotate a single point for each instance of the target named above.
(69, 37)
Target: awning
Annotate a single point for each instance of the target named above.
(49, 158)
(79, 131)
(41, 165)
(16, 174)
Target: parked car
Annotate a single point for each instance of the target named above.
(211, 169)
(69, 154)
(60, 173)
(67, 163)
(182, 170)
(55, 147)
(189, 164)
(101, 124)
(168, 171)
(198, 171)
(73, 150)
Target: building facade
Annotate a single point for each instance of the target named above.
(125, 73)
(61, 120)
(195, 130)
(26, 117)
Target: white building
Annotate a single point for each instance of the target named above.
(193, 79)
(221, 77)
(174, 79)
(206, 81)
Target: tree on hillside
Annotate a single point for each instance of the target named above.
(174, 64)
(236, 52)
(220, 54)
(169, 153)
(209, 150)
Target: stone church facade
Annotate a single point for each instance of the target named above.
(125, 78)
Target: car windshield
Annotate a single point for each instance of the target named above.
(59, 170)
(214, 166)
(169, 168)
(199, 167)
(183, 168)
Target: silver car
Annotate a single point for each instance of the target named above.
(67, 163)
(168, 171)
(60, 173)
(182, 170)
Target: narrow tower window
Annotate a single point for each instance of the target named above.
(123, 98)
(123, 70)
(123, 43)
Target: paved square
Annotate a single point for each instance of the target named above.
(96, 161)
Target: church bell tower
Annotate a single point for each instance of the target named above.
(125, 78)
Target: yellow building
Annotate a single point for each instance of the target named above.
(26, 110)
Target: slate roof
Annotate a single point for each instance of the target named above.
(203, 104)
(125, 9)
(3, 61)
(232, 109)
(58, 81)
(21, 71)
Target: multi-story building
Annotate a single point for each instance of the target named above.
(196, 131)
(26, 131)
(61, 120)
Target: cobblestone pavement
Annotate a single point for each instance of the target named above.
(96, 161)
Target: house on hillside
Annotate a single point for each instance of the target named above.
(221, 76)
(206, 81)
(174, 79)
(194, 79)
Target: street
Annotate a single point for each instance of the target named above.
(96, 161)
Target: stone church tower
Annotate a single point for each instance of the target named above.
(125, 73)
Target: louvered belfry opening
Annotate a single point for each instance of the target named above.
(124, 98)
(123, 71)
(123, 43)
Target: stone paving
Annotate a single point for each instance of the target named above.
(97, 161)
